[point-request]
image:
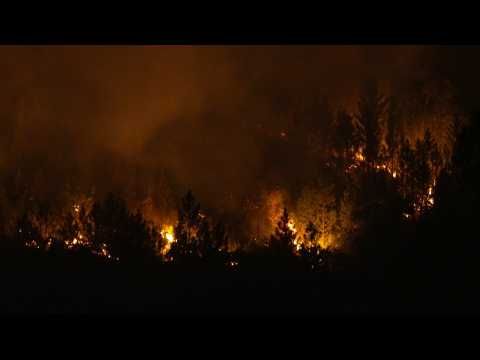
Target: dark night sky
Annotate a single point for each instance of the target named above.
(187, 110)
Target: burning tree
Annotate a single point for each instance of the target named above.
(125, 235)
(344, 143)
(283, 241)
(392, 137)
(317, 205)
(419, 167)
(186, 230)
(194, 236)
(311, 236)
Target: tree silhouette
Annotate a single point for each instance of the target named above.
(204, 239)
(187, 228)
(371, 110)
(220, 236)
(407, 166)
(344, 134)
(393, 123)
(312, 233)
(126, 235)
(344, 144)
(282, 241)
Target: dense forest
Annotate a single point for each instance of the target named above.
(382, 190)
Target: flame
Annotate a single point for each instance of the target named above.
(169, 237)
(167, 233)
(430, 196)
(291, 226)
(359, 156)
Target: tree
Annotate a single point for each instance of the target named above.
(419, 168)
(344, 134)
(316, 204)
(220, 236)
(393, 124)
(371, 110)
(69, 228)
(141, 241)
(344, 144)
(212, 243)
(187, 228)
(125, 235)
(26, 233)
(282, 242)
(204, 239)
(312, 233)
(407, 166)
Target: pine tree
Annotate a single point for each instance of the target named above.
(393, 123)
(344, 143)
(344, 135)
(407, 166)
(204, 239)
(426, 168)
(371, 109)
(126, 235)
(187, 228)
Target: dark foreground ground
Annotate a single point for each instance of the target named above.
(44, 285)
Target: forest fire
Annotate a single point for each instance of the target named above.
(317, 222)
(336, 170)
(211, 178)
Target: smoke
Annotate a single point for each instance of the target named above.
(108, 114)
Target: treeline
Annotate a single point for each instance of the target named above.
(366, 167)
